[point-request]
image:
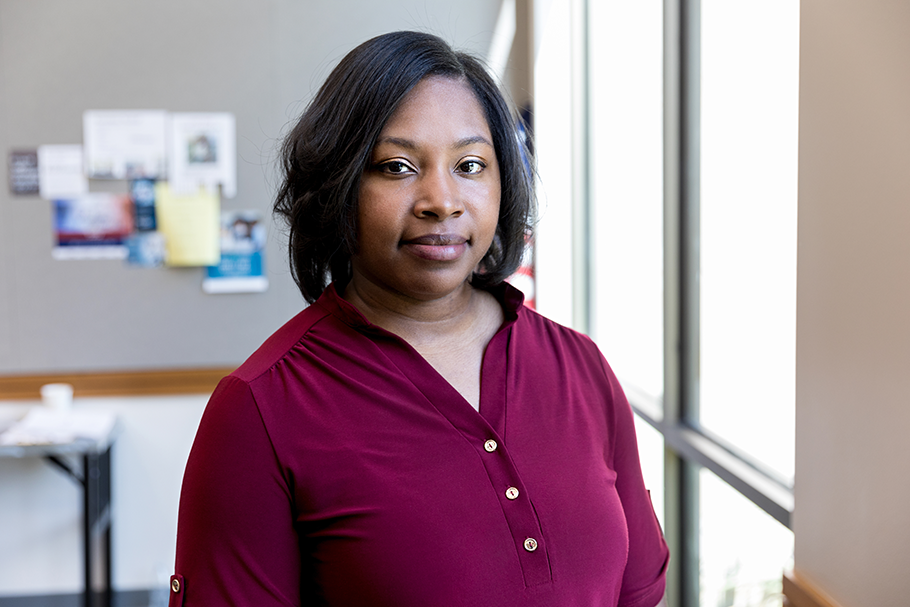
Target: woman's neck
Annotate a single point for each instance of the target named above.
(451, 334)
(415, 319)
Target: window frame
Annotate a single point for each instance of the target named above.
(687, 446)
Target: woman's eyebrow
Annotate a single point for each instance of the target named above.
(410, 145)
(403, 143)
(463, 143)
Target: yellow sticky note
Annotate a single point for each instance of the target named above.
(190, 224)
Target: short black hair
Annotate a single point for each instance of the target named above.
(325, 154)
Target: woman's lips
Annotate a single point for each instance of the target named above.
(437, 247)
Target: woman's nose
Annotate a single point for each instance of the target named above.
(438, 196)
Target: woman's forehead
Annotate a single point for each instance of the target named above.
(439, 108)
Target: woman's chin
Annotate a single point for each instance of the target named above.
(434, 288)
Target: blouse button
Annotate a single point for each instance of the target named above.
(530, 544)
(175, 585)
(490, 446)
(512, 493)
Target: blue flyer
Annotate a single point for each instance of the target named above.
(242, 265)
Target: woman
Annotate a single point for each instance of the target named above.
(415, 436)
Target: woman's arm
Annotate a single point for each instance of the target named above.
(644, 579)
(236, 542)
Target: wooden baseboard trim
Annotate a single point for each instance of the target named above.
(119, 383)
(802, 593)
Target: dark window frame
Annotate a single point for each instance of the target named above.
(689, 447)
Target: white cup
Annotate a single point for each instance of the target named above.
(57, 396)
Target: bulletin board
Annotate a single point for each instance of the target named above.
(259, 62)
(61, 59)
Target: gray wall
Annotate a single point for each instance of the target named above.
(261, 60)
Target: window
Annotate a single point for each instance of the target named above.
(747, 234)
(748, 79)
(671, 129)
(742, 550)
(627, 192)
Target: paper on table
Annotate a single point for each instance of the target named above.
(42, 426)
(190, 224)
(60, 172)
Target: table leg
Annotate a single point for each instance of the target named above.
(97, 522)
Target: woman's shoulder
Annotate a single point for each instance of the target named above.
(541, 327)
(277, 346)
(544, 342)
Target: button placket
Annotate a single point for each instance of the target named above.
(518, 510)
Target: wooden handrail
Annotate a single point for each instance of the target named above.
(802, 593)
(117, 383)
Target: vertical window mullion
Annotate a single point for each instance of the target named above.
(582, 242)
(681, 263)
(690, 174)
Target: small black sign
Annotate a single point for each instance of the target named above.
(23, 172)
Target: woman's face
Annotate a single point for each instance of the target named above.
(429, 201)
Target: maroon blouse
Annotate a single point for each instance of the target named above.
(337, 467)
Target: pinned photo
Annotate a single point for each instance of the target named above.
(203, 153)
(92, 226)
(146, 249)
(241, 268)
(202, 149)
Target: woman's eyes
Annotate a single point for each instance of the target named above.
(399, 167)
(471, 167)
(396, 167)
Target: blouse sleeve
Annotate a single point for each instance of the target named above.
(644, 577)
(236, 542)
